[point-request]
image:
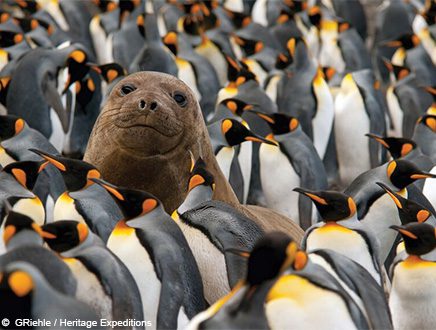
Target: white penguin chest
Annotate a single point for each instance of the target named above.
(211, 263)
(345, 241)
(187, 75)
(65, 208)
(413, 295)
(396, 113)
(302, 305)
(245, 162)
(429, 190)
(271, 88)
(5, 159)
(89, 289)
(126, 246)
(224, 158)
(278, 178)
(351, 124)
(323, 121)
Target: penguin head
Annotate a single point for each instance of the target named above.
(26, 24)
(331, 205)
(249, 46)
(283, 61)
(271, 255)
(398, 72)
(10, 38)
(402, 173)
(64, 235)
(279, 122)
(77, 174)
(292, 45)
(18, 224)
(315, 16)
(406, 41)
(200, 175)
(239, 20)
(408, 210)
(25, 172)
(238, 72)
(285, 16)
(10, 126)
(398, 147)
(105, 5)
(328, 73)
(419, 238)
(78, 67)
(235, 133)
(126, 8)
(16, 290)
(428, 121)
(112, 71)
(236, 106)
(170, 40)
(132, 202)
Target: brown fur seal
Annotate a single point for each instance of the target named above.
(142, 140)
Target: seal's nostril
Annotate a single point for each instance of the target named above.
(153, 105)
(142, 104)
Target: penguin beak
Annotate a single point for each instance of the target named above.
(264, 116)
(404, 232)
(391, 194)
(379, 139)
(312, 195)
(47, 235)
(391, 43)
(50, 158)
(109, 188)
(256, 138)
(422, 175)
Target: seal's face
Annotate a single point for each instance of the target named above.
(148, 113)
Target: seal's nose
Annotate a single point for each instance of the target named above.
(152, 106)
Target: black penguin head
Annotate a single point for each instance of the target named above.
(77, 174)
(315, 16)
(10, 38)
(236, 106)
(64, 235)
(28, 6)
(78, 67)
(398, 147)
(17, 222)
(328, 73)
(26, 24)
(429, 121)
(25, 172)
(235, 133)
(400, 72)
(408, 210)
(249, 46)
(407, 41)
(170, 40)
(331, 205)
(200, 175)
(283, 61)
(16, 291)
(279, 122)
(10, 126)
(112, 71)
(126, 8)
(132, 202)
(402, 173)
(105, 5)
(419, 238)
(295, 6)
(271, 255)
(239, 20)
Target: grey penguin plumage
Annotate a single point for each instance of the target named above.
(214, 228)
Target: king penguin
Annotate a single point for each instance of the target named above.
(341, 231)
(412, 297)
(201, 220)
(108, 287)
(293, 163)
(153, 248)
(357, 112)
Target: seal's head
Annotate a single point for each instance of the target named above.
(147, 114)
(144, 136)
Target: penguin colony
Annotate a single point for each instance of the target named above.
(310, 113)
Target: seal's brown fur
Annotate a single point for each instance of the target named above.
(142, 140)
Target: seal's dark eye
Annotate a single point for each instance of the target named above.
(126, 89)
(180, 98)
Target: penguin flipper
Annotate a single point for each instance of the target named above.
(360, 281)
(52, 97)
(305, 211)
(416, 195)
(235, 177)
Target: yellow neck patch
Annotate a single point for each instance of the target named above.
(333, 226)
(122, 229)
(417, 262)
(289, 287)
